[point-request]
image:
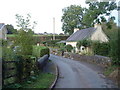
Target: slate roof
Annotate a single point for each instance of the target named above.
(81, 34)
(1, 25)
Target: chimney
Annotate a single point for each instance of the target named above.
(76, 29)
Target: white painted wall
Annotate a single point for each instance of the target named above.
(72, 43)
(99, 34)
(3, 33)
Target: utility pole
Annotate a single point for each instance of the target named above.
(53, 28)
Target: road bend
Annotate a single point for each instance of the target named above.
(73, 74)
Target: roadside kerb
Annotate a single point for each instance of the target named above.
(56, 77)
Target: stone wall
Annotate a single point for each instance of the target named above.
(99, 60)
(96, 59)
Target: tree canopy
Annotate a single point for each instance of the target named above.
(72, 18)
(11, 29)
(24, 39)
(76, 16)
(97, 12)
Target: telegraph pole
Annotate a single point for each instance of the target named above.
(53, 28)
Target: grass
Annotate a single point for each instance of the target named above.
(109, 70)
(44, 80)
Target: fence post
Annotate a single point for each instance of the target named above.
(3, 75)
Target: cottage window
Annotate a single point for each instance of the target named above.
(82, 48)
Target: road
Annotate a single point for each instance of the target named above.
(73, 74)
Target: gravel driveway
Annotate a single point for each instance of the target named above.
(73, 74)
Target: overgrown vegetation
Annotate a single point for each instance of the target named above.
(43, 80)
(110, 69)
(68, 48)
(101, 48)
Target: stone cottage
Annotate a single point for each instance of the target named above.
(93, 33)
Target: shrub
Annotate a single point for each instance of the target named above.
(39, 51)
(25, 41)
(68, 48)
(3, 42)
(44, 52)
(51, 43)
(85, 43)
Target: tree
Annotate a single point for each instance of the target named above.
(75, 16)
(25, 24)
(109, 28)
(97, 11)
(11, 29)
(72, 18)
(24, 39)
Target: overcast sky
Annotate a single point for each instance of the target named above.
(41, 11)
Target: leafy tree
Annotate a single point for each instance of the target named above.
(72, 18)
(24, 39)
(11, 29)
(75, 16)
(97, 11)
(25, 24)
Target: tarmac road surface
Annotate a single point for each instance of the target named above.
(73, 74)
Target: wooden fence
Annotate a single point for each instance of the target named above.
(9, 73)
(11, 70)
(15, 71)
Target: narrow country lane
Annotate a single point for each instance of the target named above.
(73, 74)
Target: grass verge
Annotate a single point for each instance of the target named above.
(44, 80)
(109, 70)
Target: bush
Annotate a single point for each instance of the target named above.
(24, 40)
(68, 48)
(101, 48)
(44, 52)
(39, 51)
(51, 43)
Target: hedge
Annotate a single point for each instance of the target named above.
(101, 48)
(41, 38)
(51, 43)
(39, 51)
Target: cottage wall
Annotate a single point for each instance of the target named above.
(99, 35)
(72, 43)
(3, 33)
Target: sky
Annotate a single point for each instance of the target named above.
(41, 11)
